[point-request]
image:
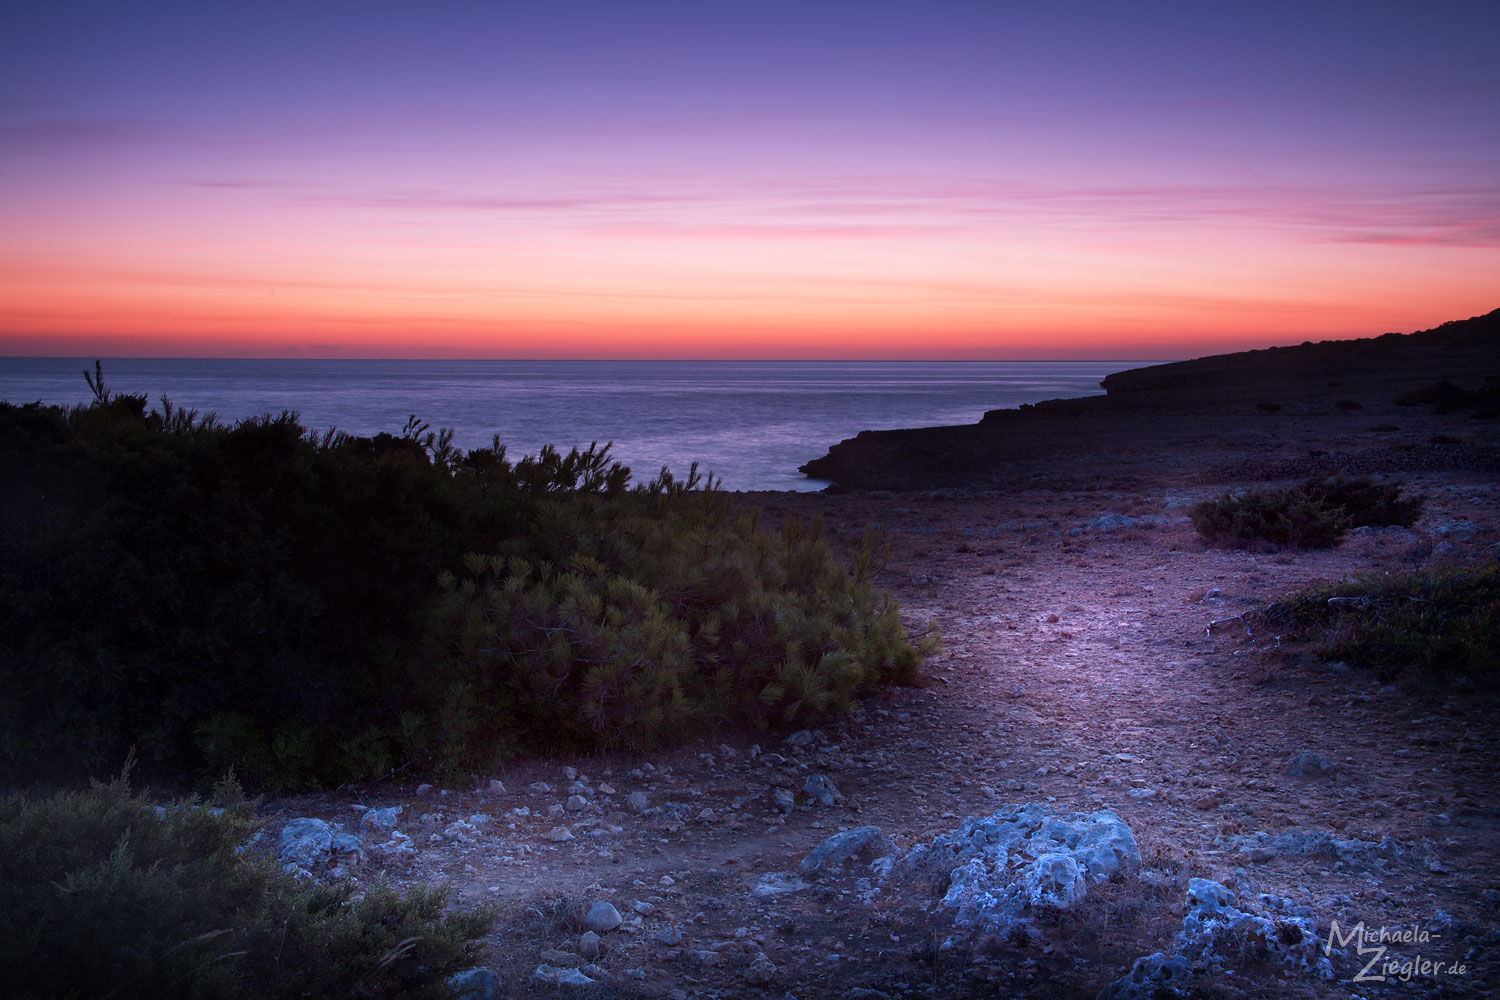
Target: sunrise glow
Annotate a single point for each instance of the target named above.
(645, 181)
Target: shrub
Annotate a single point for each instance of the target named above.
(105, 894)
(1314, 514)
(304, 607)
(1437, 623)
(644, 627)
(1446, 397)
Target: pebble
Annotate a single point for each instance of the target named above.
(577, 803)
(589, 944)
(558, 834)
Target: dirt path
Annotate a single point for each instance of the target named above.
(1078, 670)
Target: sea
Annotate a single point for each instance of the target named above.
(749, 423)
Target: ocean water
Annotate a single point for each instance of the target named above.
(751, 423)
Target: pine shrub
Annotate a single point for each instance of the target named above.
(1436, 623)
(103, 894)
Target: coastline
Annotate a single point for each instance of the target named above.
(1316, 409)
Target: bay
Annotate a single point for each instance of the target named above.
(751, 423)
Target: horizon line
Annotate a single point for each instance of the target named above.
(813, 361)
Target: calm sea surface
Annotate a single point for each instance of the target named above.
(751, 423)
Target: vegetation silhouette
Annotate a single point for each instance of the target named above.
(313, 608)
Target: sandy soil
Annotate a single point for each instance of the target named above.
(1079, 668)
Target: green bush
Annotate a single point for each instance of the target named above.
(294, 605)
(647, 626)
(1442, 623)
(103, 894)
(1314, 514)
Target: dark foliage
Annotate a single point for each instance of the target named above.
(1445, 397)
(1314, 514)
(1443, 623)
(103, 894)
(292, 604)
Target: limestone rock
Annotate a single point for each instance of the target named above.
(760, 971)
(381, 820)
(776, 883)
(563, 977)
(474, 984)
(1151, 978)
(822, 789)
(996, 871)
(602, 917)
(306, 842)
(1054, 880)
(830, 856)
(1309, 765)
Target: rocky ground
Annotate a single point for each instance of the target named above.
(1094, 678)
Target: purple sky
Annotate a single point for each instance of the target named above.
(569, 179)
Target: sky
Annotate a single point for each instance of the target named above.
(760, 179)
